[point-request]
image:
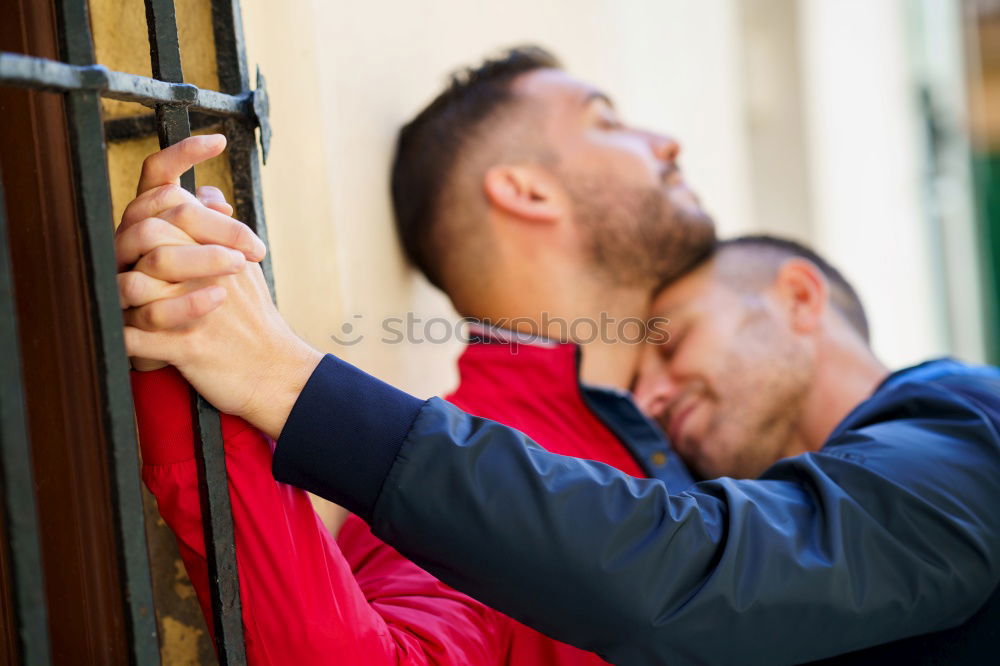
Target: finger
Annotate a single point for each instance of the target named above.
(208, 194)
(214, 199)
(154, 202)
(221, 207)
(135, 288)
(167, 165)
(177, 263)
(210, 226)
(148, 345)
(142, 237)
(171, 313)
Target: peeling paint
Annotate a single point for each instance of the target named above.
(182, 585)
(180, 643)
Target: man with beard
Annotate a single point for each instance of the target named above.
(521, 194)
(888, 532)
(768, 358)
(733, 388)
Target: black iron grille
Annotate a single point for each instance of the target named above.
(240, 111)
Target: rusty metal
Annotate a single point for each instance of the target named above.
(174, 125)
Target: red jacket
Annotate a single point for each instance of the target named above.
(535, 389)
(310, 599)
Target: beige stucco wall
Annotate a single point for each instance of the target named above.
(825, 148)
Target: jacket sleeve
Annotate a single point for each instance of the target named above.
(891, 531)
(305, 600)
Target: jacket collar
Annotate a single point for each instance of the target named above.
(540, 369)
(484, 333)
(536, 365)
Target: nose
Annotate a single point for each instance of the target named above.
(655, 390)
(666, 148)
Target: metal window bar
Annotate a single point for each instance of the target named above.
(234, 79)
(93, 194)
(18, 501)
(43, 74)
(242, 111)
(173, 125)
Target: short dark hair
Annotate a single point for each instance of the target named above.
(776, 250)
(428, 148)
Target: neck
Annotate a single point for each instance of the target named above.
(613, 358)
(574, 310)
(847, 373)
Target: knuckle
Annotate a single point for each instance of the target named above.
(196, 348)
(133, 287)
(157, 316)
(240, 234)
(158, 199)
(138, 318)
(149, 167)
(133, 212)
(147, 231)
(121, 249)
(196, 305)
(131, 344)
(187, 212)
(150, 161)
(188, 146)
(165, 196)
(126, 217)
(134, 341)
(219, 257)
(173, 190)
(155, 260)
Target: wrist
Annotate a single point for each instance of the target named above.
(292, 365)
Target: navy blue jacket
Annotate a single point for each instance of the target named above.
(891, 531)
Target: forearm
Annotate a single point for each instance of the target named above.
(278, 383)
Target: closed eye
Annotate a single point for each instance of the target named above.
(669, 348)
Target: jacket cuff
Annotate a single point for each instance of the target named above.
(343, 435)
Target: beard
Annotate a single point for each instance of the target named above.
(759, 393)
(638, 236)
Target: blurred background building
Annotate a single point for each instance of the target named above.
(868, 129)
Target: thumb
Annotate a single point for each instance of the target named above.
(167, 165)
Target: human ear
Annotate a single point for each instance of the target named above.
(525, 192)
(803, 293)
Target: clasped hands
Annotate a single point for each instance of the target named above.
(193, 294)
